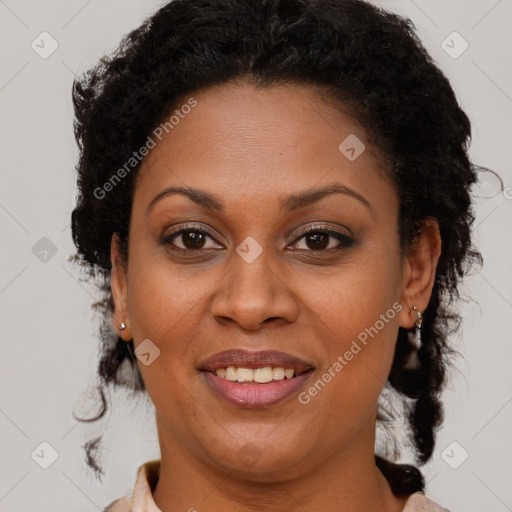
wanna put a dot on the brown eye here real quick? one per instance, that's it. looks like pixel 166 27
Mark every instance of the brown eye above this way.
pixel 193 239
pixel 190 240
pixel 317 241
pixel 323 240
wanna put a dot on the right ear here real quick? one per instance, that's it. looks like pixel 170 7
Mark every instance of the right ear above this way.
pixel 118 283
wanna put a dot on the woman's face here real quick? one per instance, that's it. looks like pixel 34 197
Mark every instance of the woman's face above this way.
pixel 266 166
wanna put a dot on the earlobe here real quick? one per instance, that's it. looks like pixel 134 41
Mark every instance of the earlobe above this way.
pixel 119 291
pixel 419 272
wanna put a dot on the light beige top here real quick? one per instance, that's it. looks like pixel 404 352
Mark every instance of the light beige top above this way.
pixel 147 476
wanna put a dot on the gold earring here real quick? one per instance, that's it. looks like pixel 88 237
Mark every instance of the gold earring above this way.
pixel 415 337
pixel 419 317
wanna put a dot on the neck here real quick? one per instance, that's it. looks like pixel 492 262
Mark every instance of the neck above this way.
pixel 348 479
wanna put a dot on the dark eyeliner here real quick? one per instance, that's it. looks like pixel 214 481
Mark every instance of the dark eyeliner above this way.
pixel 346 241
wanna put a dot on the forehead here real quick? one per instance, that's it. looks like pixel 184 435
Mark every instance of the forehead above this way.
pixel 260 143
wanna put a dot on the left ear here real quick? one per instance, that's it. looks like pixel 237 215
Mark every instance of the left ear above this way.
pixel 119 290
pixel 419 271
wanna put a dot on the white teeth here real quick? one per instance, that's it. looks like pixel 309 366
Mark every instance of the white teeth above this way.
pixel 230 373
pixel 263 374
pixel 244 374
pixel 260 375
pixel 278 373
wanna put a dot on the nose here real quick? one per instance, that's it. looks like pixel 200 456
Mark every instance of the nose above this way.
pixel 254 294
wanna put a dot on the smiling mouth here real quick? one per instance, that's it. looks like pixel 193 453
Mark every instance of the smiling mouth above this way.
pixel 257 387
pixel 255 379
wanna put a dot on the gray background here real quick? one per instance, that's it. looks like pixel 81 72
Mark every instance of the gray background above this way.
pixel 48 350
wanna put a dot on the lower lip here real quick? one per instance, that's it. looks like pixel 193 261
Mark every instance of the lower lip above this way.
pixel 252 394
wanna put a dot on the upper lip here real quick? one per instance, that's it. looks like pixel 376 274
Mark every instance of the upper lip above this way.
pixel 246 359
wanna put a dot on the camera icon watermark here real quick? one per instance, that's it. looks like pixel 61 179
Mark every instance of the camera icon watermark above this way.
pixel 249 454
pixel 146 352
pixel 454 45
pixel 44 250
pixel 249 249
pixel 44 45
pixel 454 455
pixel 44 455
pixel 351 147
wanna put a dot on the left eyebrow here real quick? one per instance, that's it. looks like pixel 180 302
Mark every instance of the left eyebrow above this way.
pixel 309 196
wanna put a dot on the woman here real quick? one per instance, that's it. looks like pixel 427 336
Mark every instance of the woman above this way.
pixel 276 194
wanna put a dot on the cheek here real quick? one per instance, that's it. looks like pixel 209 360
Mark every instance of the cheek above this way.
pixel 353 297
pixel 360 350
pixel 162 299
pixel 357 310
pixel 167 304
pixel 163 307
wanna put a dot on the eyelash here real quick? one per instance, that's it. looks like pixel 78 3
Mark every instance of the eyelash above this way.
pixel 344 239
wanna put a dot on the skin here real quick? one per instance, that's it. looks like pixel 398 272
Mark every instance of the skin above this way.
pixel 252 148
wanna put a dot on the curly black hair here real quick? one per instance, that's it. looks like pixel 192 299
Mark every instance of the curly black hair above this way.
pixel 370 60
